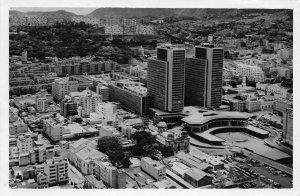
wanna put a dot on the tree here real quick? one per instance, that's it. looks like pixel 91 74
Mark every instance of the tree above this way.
pixel 126 162
pixel 144 143
pixel 250 83
pixel 166 151
pixel 118 158
pixel 108 143
pixel 143 138
pixel 233 84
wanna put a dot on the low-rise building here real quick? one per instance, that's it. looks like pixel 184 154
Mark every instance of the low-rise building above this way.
pixel 267 102
pixel 284 72
pixel 194 162
pixel 109 131
pixel 281 105
pixel 56 170
pixel 197 178
pixel 277 90
pixel 83 154
pixel 237 105
pixel 176 138
pixel 110 175
pixel 252 104
pixel 59 128
pixel 16 125
pixel 153 168
pixel 92 183
pixel 25 143
pixel 42 181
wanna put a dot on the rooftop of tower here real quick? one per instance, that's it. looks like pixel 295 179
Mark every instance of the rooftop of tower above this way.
pixel 171 46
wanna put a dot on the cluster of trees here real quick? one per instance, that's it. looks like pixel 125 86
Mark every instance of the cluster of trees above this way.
pixel 65 40
pixel 146 145
pixel 22 91
pixel 288 83
pixel 172 19
pixel 111 147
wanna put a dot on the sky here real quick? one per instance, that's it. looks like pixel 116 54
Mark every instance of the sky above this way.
pixel 78 11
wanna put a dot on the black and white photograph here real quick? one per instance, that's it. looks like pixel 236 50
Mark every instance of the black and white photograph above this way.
pixel 126 97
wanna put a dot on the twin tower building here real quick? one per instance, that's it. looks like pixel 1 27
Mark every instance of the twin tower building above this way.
pixel 176 81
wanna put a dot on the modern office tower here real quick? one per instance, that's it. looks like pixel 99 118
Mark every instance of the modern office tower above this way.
pixel 166 78
pixel 203 77
pixel 195 80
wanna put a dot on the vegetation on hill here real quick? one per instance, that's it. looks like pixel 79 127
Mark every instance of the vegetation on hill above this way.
pixel 70 39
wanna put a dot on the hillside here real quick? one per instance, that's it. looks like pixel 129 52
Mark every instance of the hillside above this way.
pixel 153 12
pixel 156 12
pixel 57 14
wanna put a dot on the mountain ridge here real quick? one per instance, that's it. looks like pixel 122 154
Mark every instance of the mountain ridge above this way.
pixel 110 12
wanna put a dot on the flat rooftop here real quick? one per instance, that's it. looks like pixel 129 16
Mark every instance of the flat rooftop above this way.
pixel 257 130
pixel 204 117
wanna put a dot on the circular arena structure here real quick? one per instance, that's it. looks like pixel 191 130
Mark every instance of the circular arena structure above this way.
pixel 215 129
pixel 210 137
pixel 204 125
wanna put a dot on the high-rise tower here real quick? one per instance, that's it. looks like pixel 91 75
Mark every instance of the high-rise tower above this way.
pixel 166 78
pixel 203 77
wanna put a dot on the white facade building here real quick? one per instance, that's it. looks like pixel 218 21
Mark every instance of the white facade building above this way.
pixel 56 171
pixel 62 87
pixel 153 168
pixel 24 143
pixel 110 175
pixel 87 100
pixel 41 104
pixel 252 72
pixel 277 90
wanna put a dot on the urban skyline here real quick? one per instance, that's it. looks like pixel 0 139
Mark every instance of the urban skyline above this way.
pixel 151 98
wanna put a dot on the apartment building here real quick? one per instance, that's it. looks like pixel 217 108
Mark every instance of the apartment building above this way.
pixel 62 87
pixel 56 170
pixel 24 143
pixel 41 104
pixel 110 175
pixel 103 91
pixel 252 72
pixel 132 95
pixel 87 102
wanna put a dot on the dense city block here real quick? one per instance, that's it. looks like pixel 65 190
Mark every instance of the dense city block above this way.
pixel 151 98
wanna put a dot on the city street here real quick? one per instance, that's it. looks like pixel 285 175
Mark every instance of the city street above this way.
pixel 75 176
pixel 274 164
